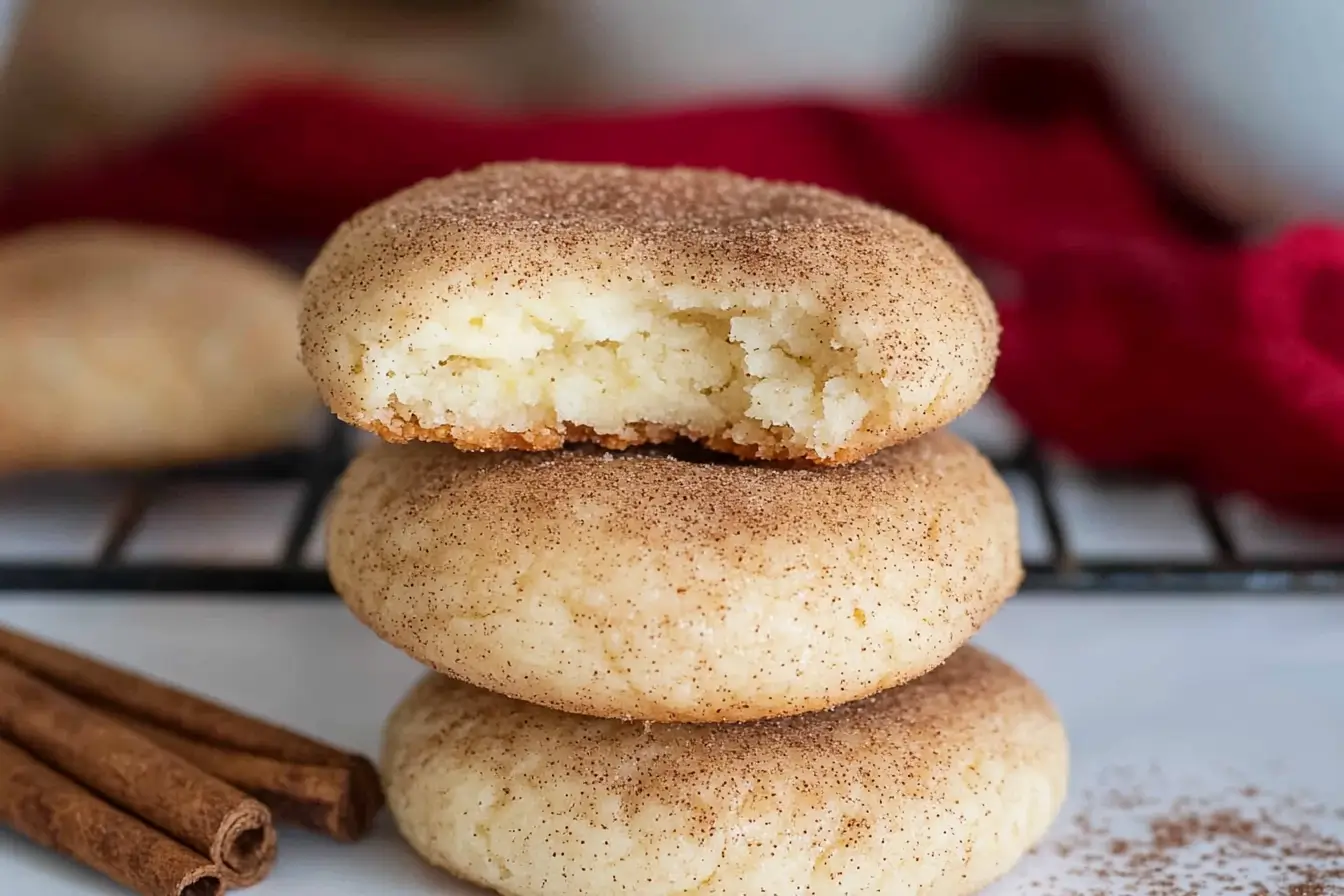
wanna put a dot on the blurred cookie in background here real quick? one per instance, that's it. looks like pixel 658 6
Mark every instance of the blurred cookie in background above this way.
pixel 132 347
pixel 84 77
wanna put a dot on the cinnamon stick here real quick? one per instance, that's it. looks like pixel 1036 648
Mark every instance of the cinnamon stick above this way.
pixel 211 817
pixel 316 797
pixel 198 720
pixel 55 812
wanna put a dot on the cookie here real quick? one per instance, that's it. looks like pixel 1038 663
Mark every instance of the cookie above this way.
pixel 937 787
pixel 641 585
pixel 528 305
pixel 126 347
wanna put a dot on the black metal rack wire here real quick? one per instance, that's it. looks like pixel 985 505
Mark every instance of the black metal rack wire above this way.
pixel 317 470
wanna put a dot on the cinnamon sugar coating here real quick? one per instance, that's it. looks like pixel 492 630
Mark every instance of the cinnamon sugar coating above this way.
pixel 640 585
pixel 532 304
pixel 936 787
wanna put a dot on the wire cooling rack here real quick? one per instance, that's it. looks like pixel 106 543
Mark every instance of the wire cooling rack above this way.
pixel 256 526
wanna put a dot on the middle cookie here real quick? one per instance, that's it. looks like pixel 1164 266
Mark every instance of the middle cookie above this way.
pixel 638 585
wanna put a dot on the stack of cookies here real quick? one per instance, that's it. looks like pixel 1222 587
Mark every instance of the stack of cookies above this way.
pixel 664 504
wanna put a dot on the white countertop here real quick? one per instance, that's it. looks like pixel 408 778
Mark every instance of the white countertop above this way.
pixel 1177 697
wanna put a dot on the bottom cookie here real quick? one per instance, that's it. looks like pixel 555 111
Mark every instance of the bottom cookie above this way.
pixel 936 787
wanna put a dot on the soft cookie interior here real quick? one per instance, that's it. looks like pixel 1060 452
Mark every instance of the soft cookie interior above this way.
pixel 770 372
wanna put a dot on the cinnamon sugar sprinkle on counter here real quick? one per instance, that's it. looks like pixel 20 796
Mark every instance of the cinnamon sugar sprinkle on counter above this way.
pixel 1240 840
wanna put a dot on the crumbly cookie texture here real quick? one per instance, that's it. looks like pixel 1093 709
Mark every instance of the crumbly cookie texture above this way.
pixel 527 305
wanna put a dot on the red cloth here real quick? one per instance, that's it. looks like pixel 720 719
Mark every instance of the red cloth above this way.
pixel 1140 334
